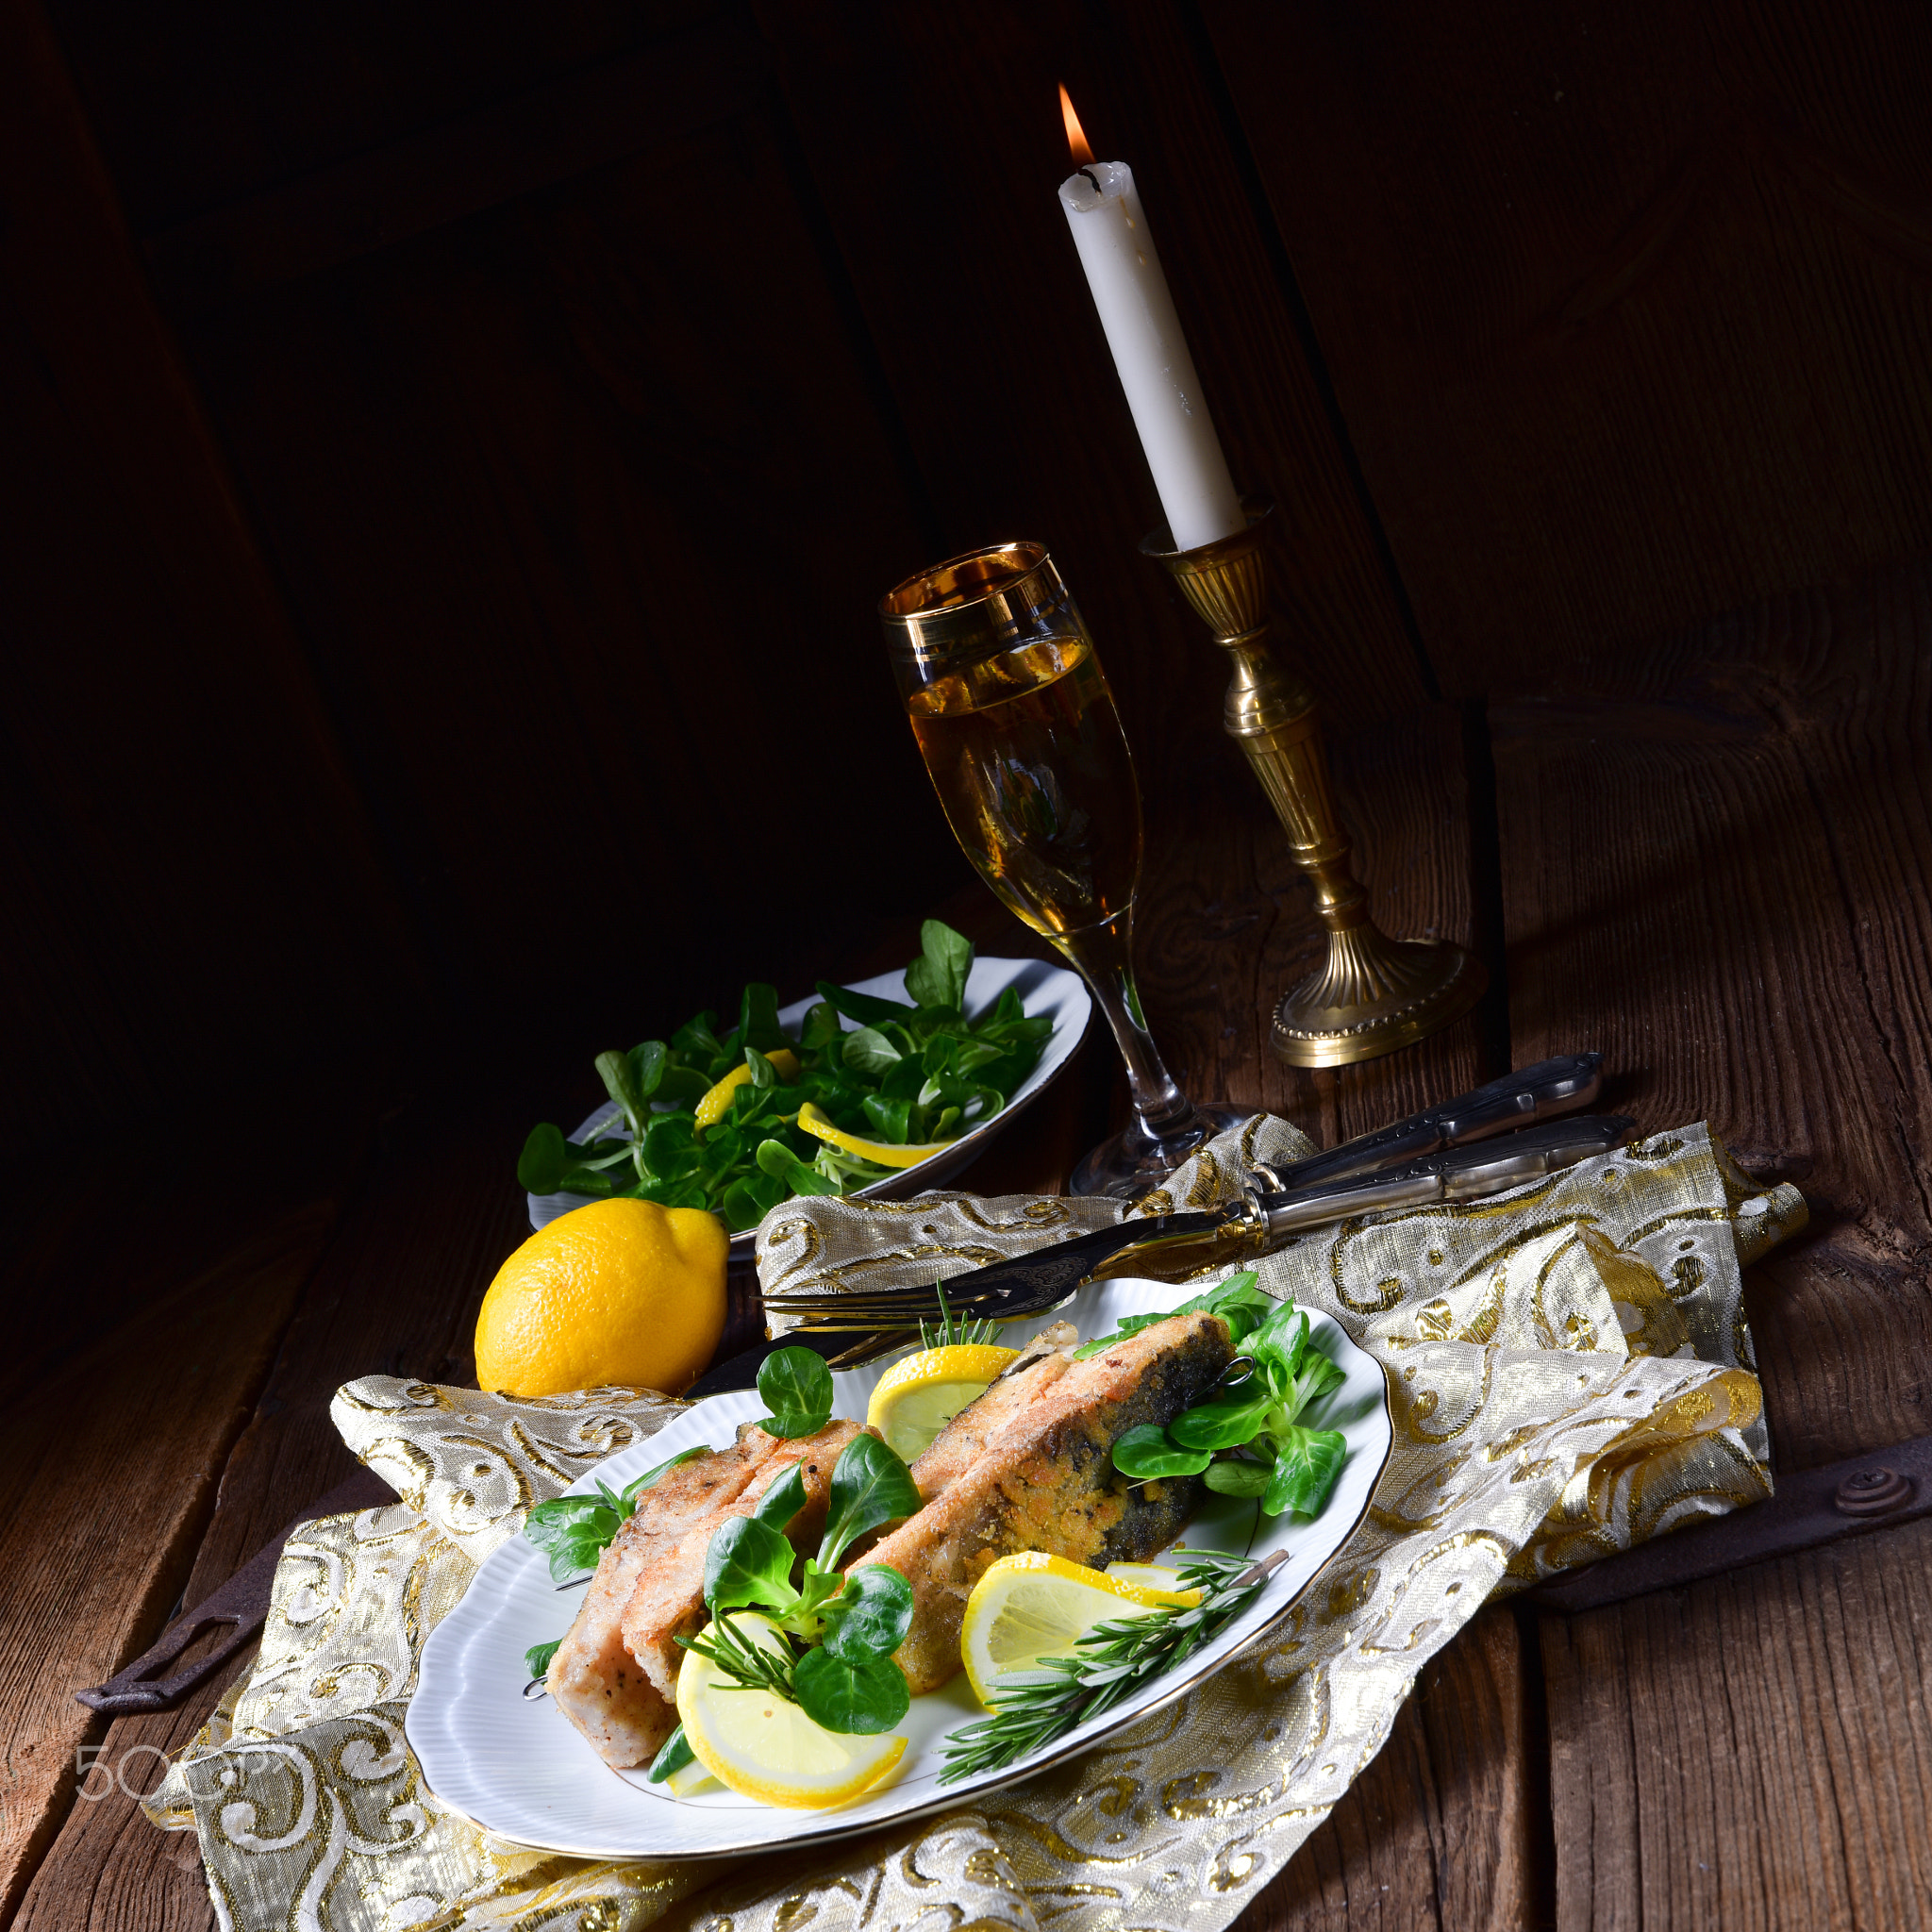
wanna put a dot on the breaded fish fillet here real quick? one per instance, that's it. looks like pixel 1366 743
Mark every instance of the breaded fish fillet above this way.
pixel 964 1440
pixel 592 1679
pixel 1046 1481
pixel 667 1599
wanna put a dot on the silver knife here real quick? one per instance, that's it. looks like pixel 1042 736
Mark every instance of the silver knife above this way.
pixel 1176 1245
pixel 1567 1084
pixel 1179 1245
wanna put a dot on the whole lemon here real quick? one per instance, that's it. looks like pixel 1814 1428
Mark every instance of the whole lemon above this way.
pixel 621 1291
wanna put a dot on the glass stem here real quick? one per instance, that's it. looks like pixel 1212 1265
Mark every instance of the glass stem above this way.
pixel 1102 956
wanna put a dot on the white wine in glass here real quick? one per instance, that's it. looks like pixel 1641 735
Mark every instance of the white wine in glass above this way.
pixel 1018 732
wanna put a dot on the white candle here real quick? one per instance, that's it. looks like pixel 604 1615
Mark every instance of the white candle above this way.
pixel 1156 370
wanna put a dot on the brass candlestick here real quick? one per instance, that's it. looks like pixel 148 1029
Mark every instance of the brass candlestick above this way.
pixel 1375 993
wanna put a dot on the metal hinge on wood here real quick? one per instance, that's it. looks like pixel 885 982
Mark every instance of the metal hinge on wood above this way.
pixel 242 1604
pixel 1810 1508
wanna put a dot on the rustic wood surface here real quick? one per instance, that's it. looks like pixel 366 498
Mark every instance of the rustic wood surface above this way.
pixel 445 570
pixel 1695 858
pixel 1718 853
pixel 1753 1752
pixel 446 455
pixel 1606 297
pixel 1721 852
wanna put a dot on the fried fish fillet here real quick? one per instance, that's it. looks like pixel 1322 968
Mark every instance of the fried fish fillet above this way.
pixel 1046 1481
pixel 964 1440
pixel 592 1679
pixel 667 1600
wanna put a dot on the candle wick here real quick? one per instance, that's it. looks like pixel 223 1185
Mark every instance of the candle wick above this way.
pixel 1094 178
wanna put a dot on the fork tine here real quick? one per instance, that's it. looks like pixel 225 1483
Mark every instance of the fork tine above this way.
pixel 851 1303
pixel 831 1316
pixel 852 1327
pixel 843 1318
pixel 888 1308
pixel 886 1302
pixel 874 1311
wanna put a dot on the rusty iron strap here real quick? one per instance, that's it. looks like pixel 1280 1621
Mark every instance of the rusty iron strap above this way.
pixel 242 1603
pixel 1810 1508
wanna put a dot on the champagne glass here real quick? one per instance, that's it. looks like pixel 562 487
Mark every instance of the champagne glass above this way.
pixel 1018 732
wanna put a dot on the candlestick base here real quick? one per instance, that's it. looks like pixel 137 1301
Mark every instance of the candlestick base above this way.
pixel 1374 994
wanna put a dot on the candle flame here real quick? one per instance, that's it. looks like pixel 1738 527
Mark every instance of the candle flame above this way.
pixel 1076 141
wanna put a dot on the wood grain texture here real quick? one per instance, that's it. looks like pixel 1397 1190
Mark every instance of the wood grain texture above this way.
pixel 83 1252
pixel 1754 1752
pixel 586 518
pixel 102 1530
pixel 1622 304
pixel 396 1294
pixel 218 104
pixel 1439 1831
pixel 108 1866
pixel 187 868
pixel 1716 865
pixel 934 140
pixel 1227 922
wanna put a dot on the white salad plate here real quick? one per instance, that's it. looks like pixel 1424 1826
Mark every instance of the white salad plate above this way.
pixel 1046 990
pixel 516 1767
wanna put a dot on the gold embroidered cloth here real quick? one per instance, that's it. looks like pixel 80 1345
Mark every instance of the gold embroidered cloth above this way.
pixel 1569 1372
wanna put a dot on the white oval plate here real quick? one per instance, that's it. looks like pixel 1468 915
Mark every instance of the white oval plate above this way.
pixel 1043 989
pixel 517 1767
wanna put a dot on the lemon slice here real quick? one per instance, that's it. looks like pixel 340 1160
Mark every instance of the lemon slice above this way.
pixel 710 1109
pixel 1153 1576
pixel 883 1151
pixel 1033 1606
pixel 689 1779
pixel 765 1748
pixel 917 1398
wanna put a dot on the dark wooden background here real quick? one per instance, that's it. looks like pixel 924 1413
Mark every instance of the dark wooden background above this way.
pixel 453 454
pixel 449 459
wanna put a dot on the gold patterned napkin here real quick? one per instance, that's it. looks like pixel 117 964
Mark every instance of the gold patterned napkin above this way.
pixel 1569 1370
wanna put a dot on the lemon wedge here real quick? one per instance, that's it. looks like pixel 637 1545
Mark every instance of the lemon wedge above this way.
pixel 1153 1577
pixel 1033 1606
pixel 917 1398
pixel 712 1107
pixel 767 1749
pixel 883 1151
pixel 689 1779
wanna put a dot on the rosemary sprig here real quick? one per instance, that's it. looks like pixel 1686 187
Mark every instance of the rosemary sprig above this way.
pixel 1033 1708
pixel 949 1331
pixel 749 1665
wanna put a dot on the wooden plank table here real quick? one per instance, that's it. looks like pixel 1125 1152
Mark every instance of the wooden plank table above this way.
pixel 1710 861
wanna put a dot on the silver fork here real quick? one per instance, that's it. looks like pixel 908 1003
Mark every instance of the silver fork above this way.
pixel 1172 1246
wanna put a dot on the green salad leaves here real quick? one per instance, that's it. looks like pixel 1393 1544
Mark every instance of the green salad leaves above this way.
pixel 909 1074
pixel 1245 1440
pixel 572 1531
pixel 796 1386
pixel 836 1661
